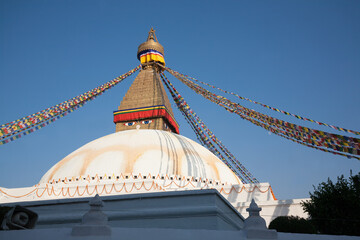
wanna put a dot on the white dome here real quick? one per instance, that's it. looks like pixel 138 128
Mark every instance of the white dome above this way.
pixel 145 152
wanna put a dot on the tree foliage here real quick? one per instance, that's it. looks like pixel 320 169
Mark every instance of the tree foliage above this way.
pixel 292 224
pixel 334 208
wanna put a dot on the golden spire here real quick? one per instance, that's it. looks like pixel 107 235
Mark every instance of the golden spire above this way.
pixel 146 104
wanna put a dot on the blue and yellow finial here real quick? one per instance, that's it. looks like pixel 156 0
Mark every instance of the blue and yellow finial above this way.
pixel 151 50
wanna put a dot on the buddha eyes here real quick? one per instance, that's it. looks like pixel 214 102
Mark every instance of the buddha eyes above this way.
pixel 129 124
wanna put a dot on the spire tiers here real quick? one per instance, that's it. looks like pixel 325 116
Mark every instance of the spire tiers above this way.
pixel 146 104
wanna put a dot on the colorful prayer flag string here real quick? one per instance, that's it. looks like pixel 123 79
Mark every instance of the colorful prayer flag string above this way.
pixel 269 107
pixel 39 126
pixel 332 138
pixel 14 130
pixel 306 136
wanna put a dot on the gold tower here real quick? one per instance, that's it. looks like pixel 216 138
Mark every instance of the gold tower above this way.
pixel 146 104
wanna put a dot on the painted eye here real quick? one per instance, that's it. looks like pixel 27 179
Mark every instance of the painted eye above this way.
pixel 146 122
pixel 129 124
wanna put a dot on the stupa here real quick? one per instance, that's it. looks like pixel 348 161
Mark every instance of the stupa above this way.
pixel 146 154
pixel 146 144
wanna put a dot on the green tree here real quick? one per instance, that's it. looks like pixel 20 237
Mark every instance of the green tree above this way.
pixel 292 224
pixel 334 208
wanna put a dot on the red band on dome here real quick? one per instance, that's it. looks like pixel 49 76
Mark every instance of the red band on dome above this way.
pixel 146 112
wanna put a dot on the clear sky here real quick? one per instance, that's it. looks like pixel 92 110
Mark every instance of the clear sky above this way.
pixel 299 56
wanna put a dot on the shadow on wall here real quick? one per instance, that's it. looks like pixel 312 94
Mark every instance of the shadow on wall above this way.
pixel 281 209
pixel 239 205
pixel 232 197
pixel 254 195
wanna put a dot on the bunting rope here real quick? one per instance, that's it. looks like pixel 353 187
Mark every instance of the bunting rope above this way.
pixel 26 125
pixel 274 120
pixel 205 135
pixel 253 113
pixel 306 136
pixel 38 126
pixel 269 107
pixel 344 140
pixel 279 132
pixel 343 149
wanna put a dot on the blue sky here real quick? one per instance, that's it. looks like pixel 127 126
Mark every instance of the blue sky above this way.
pixel 299 56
